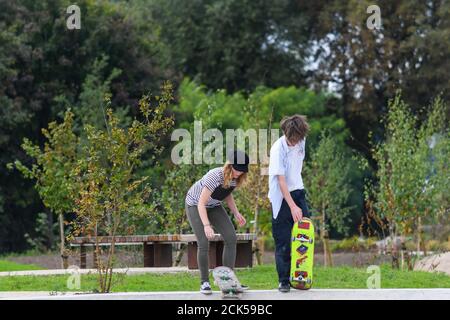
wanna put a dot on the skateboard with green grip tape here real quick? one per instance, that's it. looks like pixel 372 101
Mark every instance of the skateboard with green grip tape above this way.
pixel 226 280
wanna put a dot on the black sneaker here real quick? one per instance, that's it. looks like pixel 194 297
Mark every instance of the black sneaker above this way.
pixel 284 287
pixel 205 288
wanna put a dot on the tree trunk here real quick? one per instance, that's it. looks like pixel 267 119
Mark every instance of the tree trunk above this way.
pixel 402 260
pixel 419 235
pixel 256 244
pixel 402 252
pixel 64 257
pixel 50 236
pixel 257 248
pixel 394 249
pixel 180 254
pixel 328 261
pixel 329 256
pixel 99 260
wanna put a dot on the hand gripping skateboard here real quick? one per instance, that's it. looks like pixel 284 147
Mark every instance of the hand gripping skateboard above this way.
pixel 226 280
pixel 302 254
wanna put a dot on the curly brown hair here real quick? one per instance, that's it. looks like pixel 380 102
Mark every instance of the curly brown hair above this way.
pixel 295 127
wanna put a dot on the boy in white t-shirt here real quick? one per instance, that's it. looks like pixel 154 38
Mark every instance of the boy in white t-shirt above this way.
pixel 286 191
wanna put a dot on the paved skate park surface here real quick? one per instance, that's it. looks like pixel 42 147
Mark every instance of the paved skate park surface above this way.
pixel 313 294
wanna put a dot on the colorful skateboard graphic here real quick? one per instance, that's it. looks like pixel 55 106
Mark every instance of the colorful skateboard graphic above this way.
pixel 302 254
pixel 228 283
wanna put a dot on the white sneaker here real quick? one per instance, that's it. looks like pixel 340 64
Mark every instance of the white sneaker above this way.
pixel 205 288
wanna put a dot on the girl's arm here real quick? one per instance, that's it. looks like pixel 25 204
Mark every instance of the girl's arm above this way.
pixel 232 205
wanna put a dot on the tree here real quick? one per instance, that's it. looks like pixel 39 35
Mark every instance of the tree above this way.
pixel 412 179
pixel 45 68
pixel 110 188
pixel 327 177
pixel 169 215
pixel 222 110
pixel 366 67
pixel 234 45
pixel 263 109
pixel 52 171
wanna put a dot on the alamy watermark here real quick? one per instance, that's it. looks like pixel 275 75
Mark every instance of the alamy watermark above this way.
pixel 74 280
pixel 209 146
pixel 74 20
pixel 374 280
pixel 374 21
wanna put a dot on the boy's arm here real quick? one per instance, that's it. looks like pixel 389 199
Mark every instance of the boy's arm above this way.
pixel 295 210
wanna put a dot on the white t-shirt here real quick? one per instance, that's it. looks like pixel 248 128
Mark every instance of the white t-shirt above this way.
pixel 285 161
pixel 295 156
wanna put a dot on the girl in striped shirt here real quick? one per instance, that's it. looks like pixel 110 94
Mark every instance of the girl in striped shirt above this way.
pixel 205 210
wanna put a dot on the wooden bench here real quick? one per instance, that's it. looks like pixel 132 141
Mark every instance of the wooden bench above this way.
pixel 158 248
pixel 244 247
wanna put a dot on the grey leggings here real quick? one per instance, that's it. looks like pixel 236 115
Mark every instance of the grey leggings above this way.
pixel 221 222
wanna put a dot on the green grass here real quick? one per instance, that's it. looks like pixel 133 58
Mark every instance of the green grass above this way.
pixel 28 253
pixel 260 277
pixel 13 266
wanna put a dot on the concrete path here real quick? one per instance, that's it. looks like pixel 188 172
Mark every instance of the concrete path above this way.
pixel 128 271
pixel 313 294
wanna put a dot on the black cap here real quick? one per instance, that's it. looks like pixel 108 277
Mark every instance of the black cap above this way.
pixel 239 160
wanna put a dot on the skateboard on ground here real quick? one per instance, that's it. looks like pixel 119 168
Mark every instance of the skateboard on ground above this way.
pixel 302 254
pixel 226 280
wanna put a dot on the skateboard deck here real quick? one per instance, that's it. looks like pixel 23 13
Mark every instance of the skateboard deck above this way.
pixel 226 280
pixel 302 254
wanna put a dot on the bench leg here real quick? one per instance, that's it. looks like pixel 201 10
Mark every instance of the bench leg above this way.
pixel 215 255
pixel 157 255
pixel 163 255
pixel 244 256
pixel 149 259
pixel 192 255
pixel 82 257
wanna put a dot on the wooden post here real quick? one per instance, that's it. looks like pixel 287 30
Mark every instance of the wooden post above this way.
pixel 192 255
pixel 162 254
pixel 244 257
pixel 149 256
pixel 157 254
pixel 82 256
pixel 215 254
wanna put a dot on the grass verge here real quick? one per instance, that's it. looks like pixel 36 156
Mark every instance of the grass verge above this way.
pixel 259 277
pixel 6 265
